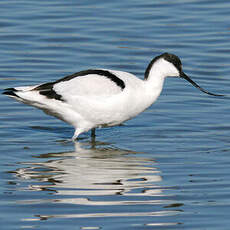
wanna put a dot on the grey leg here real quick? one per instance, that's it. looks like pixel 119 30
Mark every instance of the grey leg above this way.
pixel 93 133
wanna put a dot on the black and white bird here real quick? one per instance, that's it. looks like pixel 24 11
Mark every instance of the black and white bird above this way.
pixel 100 97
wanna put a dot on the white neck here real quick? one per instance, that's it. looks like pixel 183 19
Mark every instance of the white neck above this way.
pixel 154 82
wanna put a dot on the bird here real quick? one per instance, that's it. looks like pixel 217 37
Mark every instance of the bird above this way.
pixel 96 98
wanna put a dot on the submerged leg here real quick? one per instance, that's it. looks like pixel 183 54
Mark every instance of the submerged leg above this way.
pixel 93 133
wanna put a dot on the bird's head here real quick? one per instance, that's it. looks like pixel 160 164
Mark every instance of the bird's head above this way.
pixel 170 66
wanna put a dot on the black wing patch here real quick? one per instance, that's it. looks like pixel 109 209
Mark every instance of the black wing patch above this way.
pixel 48 91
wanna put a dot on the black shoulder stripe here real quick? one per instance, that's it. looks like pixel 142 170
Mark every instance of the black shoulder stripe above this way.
pixel 45 86
pixel 104 73
pixel 48 91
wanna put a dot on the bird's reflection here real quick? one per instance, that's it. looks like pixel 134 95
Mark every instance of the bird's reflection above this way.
pixel 94 170
pixel 98 181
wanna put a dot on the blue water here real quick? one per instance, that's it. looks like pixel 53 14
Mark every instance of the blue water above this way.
pixel 166 169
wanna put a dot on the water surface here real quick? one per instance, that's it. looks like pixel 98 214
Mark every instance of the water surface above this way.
pixel 166 169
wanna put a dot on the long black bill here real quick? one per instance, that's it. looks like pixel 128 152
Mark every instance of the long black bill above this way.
pixel 183 75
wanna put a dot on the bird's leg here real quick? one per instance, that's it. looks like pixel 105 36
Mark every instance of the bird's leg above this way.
pixel 78 131
pixel 93 133
pixel 74 137
pixel 76 134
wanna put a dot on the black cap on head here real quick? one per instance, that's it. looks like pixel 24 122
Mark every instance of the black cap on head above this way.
pixel 173 59
pixel 177 63
pixel 168 57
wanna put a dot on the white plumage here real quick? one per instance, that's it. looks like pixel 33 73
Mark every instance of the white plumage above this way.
pixel 99 97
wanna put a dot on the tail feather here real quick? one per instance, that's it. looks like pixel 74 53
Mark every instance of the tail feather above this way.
pixel 10 89
pixel 15 92
pixel 11 92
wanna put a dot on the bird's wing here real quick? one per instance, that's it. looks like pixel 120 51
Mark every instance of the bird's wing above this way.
pixel 84 83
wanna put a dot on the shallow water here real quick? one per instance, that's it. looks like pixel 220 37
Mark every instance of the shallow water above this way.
pixel 166 169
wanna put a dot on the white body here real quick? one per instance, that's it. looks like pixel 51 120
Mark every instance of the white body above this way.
pixel 92 100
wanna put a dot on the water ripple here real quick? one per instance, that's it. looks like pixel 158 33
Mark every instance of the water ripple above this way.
pixel 176 176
